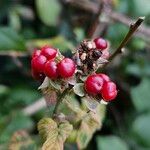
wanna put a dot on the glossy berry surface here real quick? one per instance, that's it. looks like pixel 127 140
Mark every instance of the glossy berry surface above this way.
pixel 37 76
pixel 93 84
pixel 48 52
pixel 104 77
pixel 36 53
pixel 50 69
pixel 66 68
pixel 100 43
pixel 38 63
pixel 109 91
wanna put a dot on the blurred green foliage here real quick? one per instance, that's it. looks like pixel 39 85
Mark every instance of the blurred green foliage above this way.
pixel 28 24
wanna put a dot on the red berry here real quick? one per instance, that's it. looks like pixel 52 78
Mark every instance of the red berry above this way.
pixel 104 76
pixel 38 63
pixel 48 52
pixel 66 68
pixel 50 69
pixel 105 54
pixel 93 84
pixel 38 76
pixel 109 91
pixel 100 43
pixel 36 53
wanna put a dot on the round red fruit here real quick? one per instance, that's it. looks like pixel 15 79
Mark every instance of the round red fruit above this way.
pixel 104 76
pixel 66 68
pixel 37 76
pixel 50 69
pixel 109 91
pixel 93 84
pixel 49 52
pixel 36 53
pixel 38 63
pixel 100 43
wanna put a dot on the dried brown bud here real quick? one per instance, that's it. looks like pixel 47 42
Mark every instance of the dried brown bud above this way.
pixel 83 56
pixel 96 54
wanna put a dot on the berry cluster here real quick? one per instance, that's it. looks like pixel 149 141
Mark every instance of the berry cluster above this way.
pixel 101 85
pixel 89 53
pixel 46 62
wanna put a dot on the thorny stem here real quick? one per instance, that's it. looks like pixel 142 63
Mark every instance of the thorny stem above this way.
pixel 133 28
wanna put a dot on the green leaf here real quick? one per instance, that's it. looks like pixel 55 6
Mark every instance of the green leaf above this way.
pixel 45 84
pixel 59 41
pixel 22 95
pixel 55 135
pixel 79 89
pixel 138 5
pixel 140 95
pixel 48 11
pixel 89 124
pixel 111 143
pixel 21 140
pixel 10 40
pixel 141 127
pixel 90 103
pixel 46 126
pixel 3 89
pixel 48 83
pixel 17 122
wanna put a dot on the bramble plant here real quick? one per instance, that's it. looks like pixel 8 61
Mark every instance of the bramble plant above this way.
pixel 75 90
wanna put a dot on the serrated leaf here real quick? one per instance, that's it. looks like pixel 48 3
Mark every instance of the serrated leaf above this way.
pixel 55 84
pixel 48 83
pixel 79 89
pixel 45 83
pixel 55 135
pixel 64 130
pixel 48 11
pixel 52 143
pixel 89 124
pixel 90 103
pixel 87 128
pixel 46 126
pixel 83 136
pixel 71 81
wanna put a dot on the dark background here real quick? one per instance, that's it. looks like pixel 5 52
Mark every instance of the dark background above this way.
pixel 28 24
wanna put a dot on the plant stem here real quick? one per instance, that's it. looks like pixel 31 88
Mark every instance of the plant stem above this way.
pixel 95 22
pixel 60 99
pixel 133 28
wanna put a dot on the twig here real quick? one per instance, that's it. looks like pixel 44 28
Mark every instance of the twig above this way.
pixel 35 107
pixel 59 101
pixel 13 54
pixel 143 31
pixel 95 22
pixel 83 4
pixel 133 28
